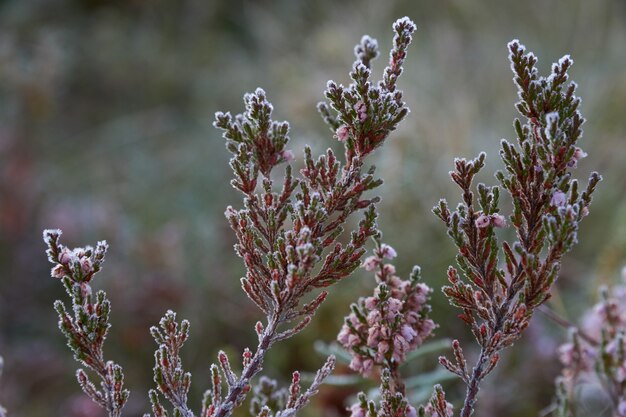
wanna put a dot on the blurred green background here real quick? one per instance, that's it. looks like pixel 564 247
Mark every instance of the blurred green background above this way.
pixel 105 132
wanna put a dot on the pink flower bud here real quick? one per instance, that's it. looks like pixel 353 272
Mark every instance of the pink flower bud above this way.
pixel 230 212
pixel 410 411
pixel 387 251
pixel 359 106
pixel 368 364
pixel 383 347
pixel 85 265
pixel 385 332
pixel 579 154
pixel 373 317
pixel 400 342
pixel 408 332
pixel 426 328
pixel 559 199
pixel 65 256
pixel 342 133
pixel 498 220
pixel 482 221
pixel 58 272
pixel 287 155
pixel 85 289
pixel 357 411
pixel 371 302
pixel 371 263
pixel 343 335
pixel 389 269
pixel 412 317
pixel 362 116
pixel 353 340
pixel 373 336
pixel 393 306
pixel 356 363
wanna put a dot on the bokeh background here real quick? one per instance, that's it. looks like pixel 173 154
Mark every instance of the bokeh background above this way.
pixel 105 132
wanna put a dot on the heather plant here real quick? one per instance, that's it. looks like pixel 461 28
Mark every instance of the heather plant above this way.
pixel 290 240
pixel 296 238
pixel 497 302
pixel 594 359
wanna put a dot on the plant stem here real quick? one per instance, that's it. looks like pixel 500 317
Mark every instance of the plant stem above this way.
pixel 235 392
pixel 472 387
pixel 398 383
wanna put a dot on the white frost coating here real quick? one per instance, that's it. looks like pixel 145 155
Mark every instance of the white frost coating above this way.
pixel 565 58
pixel 367 45
pixel 406 21
pixel 367 40
pixel 551 119
pixel 360 67
pixel 515 42
pixel 48 232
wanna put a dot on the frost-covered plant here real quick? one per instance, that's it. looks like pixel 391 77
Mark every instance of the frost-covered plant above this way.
pixel 594 359
pixel 497 303
pixel 290 240
pixel 393 403
pixel 87 325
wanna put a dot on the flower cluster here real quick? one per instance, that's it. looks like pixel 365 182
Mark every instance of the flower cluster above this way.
pixel 384 327
pixel 595 355
pixel 497 303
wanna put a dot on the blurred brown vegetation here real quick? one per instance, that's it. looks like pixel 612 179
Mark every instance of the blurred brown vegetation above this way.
pixel 105 132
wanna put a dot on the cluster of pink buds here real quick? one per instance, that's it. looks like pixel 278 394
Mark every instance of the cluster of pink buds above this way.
pixel 342 133
pixel 486 220
pixel 384 327
pixel 578 155
pixel 596 353
pixel 80 264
